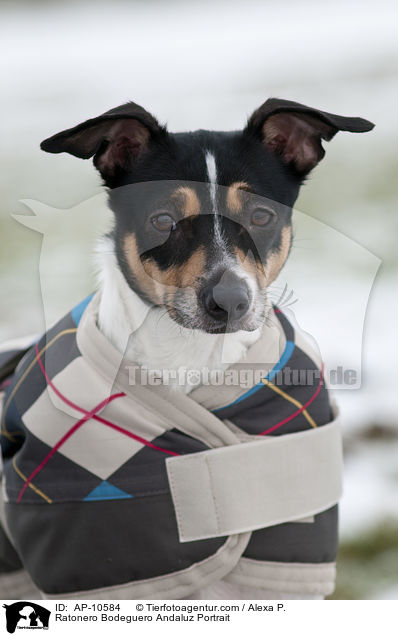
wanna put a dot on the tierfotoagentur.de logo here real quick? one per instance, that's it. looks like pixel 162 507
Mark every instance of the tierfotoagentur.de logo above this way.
pixel 26 615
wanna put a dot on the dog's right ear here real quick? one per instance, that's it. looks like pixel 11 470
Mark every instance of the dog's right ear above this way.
pixel 115 139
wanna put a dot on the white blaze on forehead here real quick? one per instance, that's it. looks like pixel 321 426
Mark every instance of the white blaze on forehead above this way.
pixel 212 176
pixel 230 262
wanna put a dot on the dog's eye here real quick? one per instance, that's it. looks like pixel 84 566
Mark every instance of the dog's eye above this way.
pixel 163 222
pixel 262 217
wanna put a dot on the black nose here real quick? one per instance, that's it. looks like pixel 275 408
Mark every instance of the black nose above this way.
pixel 228 300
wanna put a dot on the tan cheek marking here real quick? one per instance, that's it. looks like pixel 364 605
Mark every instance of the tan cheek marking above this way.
pixel 177 277
pixel 190 204
pixel 192 269
pixel 160 285
pixel 184 277
pixel 146 276
pixel 247 261
pixel 234 196
pixel 161 279
pixel 275 262
pixel 254 268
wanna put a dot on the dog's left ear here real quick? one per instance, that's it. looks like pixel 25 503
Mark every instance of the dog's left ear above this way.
pixel 294 132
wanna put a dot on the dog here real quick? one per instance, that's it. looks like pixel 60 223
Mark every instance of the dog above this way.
pixel 202 227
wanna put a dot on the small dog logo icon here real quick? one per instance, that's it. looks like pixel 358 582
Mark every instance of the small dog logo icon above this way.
pixel 26 615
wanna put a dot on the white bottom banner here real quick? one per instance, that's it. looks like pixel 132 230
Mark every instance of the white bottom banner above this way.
pixel 275 617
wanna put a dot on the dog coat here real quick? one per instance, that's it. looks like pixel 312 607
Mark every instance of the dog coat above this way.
pixel 120 489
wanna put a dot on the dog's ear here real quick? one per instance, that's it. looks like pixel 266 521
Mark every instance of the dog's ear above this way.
pixel 115 139
pixel 294 132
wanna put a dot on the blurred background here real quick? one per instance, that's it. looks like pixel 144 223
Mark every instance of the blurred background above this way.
pixel 209 64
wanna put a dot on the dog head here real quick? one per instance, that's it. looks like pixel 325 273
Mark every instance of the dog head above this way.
pixel 203 219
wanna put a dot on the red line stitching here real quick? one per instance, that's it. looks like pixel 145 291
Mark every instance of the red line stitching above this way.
pixel 63 439
pixel 300 410
pixel 87 415
pixel 138 438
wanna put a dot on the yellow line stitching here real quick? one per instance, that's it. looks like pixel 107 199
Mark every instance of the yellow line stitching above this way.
pixel 290 399
pixel 37 491
pixel 4 431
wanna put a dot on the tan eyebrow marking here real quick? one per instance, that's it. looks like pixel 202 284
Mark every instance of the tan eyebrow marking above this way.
pixel 188 200
pixel 234 196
